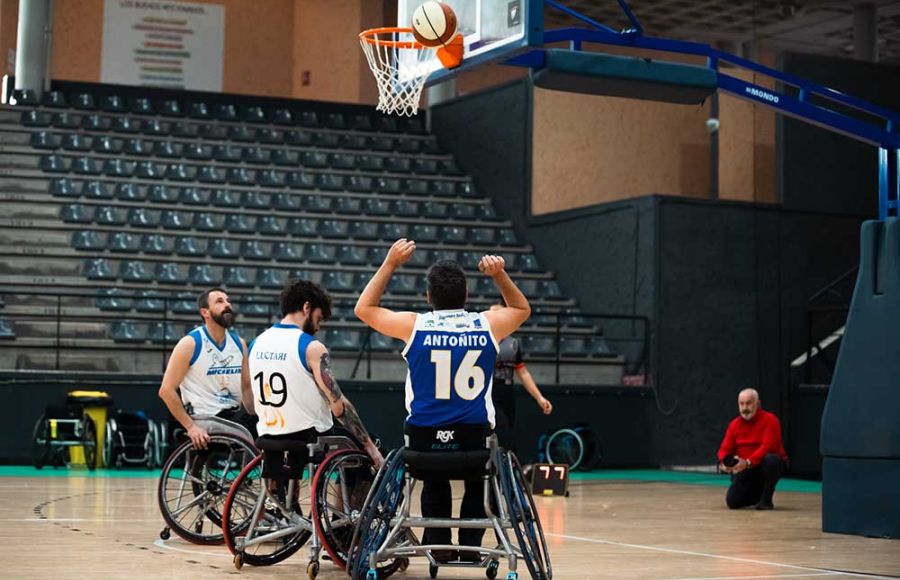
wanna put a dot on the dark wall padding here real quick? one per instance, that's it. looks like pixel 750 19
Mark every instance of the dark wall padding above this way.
pixel 861 421
pixel 625 76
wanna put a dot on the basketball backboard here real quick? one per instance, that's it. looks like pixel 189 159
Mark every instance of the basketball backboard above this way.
pixel 493 30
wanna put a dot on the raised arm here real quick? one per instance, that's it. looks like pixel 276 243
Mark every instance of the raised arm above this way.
pixel 504 321
pixel 394 324
pixel 178 366
pixel 320 362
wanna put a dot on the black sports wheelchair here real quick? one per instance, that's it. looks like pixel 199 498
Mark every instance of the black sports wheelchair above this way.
pixel 385 531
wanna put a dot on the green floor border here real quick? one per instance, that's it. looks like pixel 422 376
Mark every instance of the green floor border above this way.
pixel 641 475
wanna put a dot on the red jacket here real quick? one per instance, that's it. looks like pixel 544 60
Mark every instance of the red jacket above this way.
pixel 753 439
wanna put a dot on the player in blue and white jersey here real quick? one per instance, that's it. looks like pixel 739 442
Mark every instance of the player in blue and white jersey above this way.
pixel 209 365
pixel 450 353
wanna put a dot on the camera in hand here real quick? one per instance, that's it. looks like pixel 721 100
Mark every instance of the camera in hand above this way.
pixel 730 461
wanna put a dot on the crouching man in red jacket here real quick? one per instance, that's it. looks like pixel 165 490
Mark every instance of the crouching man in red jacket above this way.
pixel 753 454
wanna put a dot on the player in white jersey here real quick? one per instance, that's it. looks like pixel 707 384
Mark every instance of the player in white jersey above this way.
pixel 293 387
pixel 451 354
pixel 210 367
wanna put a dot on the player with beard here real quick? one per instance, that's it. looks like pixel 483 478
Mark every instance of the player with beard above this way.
pixel 209 365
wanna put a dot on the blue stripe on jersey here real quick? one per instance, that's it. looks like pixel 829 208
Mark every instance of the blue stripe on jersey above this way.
pixel 428 411
pixel 250 347
pixel 302 345
pixel 197 341
pixel 236 339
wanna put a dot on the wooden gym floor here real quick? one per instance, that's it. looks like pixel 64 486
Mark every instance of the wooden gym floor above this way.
pixel 615 525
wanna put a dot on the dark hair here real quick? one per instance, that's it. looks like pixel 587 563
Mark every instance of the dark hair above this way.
pixel 299 292
pixel 203 299
pixel 447 285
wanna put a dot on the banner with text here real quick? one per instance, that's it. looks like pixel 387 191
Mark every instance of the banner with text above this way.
pixel 175 45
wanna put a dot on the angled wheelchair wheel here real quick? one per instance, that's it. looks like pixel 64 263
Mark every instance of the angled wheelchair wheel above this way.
pixel 373 527
pixel 40 442
pixel 524 517
pixel 262 525
pixel 89 441
pixel 194 483
pixel 340 487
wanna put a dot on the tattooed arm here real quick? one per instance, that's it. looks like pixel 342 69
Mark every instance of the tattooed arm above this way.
pixel 320 362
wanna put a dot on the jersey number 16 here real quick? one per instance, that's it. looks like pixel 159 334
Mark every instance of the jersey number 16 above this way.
pixel 468 381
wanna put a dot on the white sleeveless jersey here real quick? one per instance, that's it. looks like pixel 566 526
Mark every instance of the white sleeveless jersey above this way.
pixel 213 381
pixel 285 394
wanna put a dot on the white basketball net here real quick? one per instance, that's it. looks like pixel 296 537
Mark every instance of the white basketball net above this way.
pixel 400 71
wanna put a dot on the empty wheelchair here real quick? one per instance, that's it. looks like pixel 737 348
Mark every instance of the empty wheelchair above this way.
pixel 131 439
pixel 296 493
pixel 384 532
pixel 63 427
pixel 194 483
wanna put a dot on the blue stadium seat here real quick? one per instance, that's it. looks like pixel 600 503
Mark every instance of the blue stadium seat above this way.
pixel 409 145
pixel 198 151
pixel 388 185
pixel 549 289
pixel 360 123
pixel 238 222
pixel 363 230
pixel 257 306
pixel 117 168
pixel 572 346
pixel 194 196
pixel 65 187
pixel 127 331
pixel 156 127
pixel 381 343
pixel 88 240
pixel 527 263
pixel 398 164
pixel 169 273
pixel 95 189
pixel 126 125
pixel 318 203
pixel 416 186
pixel 406 208
pixel 424 233
pixel 282 117
pixel 485 286
pixel 255 200
pixel 481 235
pixel 285 157
pixel 308 119
pixel 170 108
pixel 242 134
pixel 470 260
pixel 354 255
pixel 134 271
pixel 270 225
pixel 340 339
pixel 335 121
pixel 140 217
pixel 205 221
pixel 86 165
pixel 253 114
pixel 287 252
pixel 359 183
pixel 108 144
pixel 139 147
pixel 236 276
pixel 392 231
pixel 240 176
pixel 225 112
pixel 439 187
pixel 286 201
pixel 434 209
pixel 149 301
pixel 222 248
pixel 167 332
pixel 270 278
pixel 141 106
pixel 254 250
pixel 425 166
pixel 185 303
pixel 381 143
pixel 36 119
pixel 112 104
pixel 96 123
pixel 449 167
pixel 226 152
pixel 112 299
pixel 45 140
pixel 225 198
pixel 124 242
pixel 507 237
pixel 342 161
pixel 54 163
pixel 403 284
pixel 338 281
pixel 166 148
pixel 302 227
pixel 353 142
pixel 538 345
pixel 130 192
pixel 270 136
pixel 76 142
pixel 98 269
pixel 376 255
pixel 175 220
pixel 65 120
pixel 435 255
pixel 464 211
pixel 207 174
pixel 189 246
pixel 466 188
pixel 298 138
pixel 54 100
pixel 201 275
pixel 321 253
pixel 199 110
pixel 157 244
pixel 453 235
pixel 333 228
pixel 212 132
pixel 370 162
pixel 314 159
pixel 109 216
pixel 376 206
pixel 180 172
pixel 255 155
pixel 596 346
pixel 300 180
pixel 350 205
pixel 148 170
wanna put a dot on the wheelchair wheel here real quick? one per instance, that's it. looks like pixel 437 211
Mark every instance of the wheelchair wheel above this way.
pixel 89 441
pixel 40 443
pixel 374 523
pixel 253 512
pixel 524 517
pixel 340 487
pixel 565 446
pixel 194 483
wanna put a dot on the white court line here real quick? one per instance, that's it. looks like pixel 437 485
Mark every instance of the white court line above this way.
pixel 163 545
pixel 717 556
pixel 766 576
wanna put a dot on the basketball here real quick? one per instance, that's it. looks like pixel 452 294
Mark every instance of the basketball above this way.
pixel 434 24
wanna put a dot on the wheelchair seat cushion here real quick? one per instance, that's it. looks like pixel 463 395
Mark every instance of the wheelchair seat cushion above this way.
pixel 285 456
pixel 447 452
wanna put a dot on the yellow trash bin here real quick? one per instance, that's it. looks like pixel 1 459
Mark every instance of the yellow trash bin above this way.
pixel 95 405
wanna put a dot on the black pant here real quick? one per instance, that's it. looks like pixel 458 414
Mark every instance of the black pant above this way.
pixel 756 484
pixel 437 499
pixel 505 417
pixel 240 416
